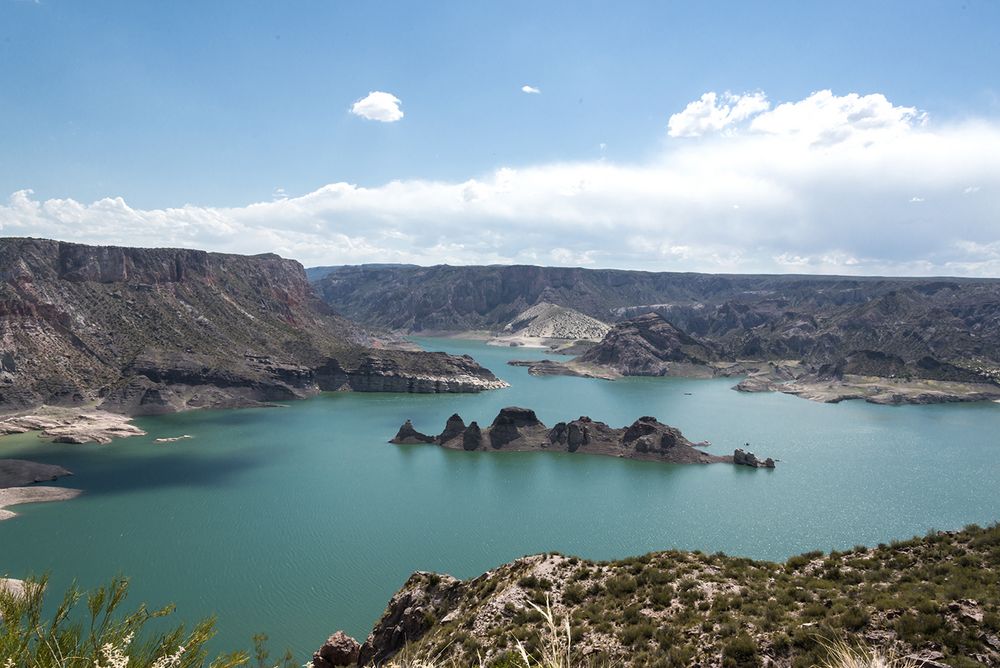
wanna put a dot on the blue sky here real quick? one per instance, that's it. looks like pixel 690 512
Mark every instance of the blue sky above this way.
pixel 220 104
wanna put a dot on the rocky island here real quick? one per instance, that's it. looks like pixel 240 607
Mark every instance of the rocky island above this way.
pixel 519 429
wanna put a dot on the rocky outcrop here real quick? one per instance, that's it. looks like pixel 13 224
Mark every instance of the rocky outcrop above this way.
pixel 472 437
pixel 650 346
pixel 622 613
pixel 147 331
pixel 519 429
pixel 744 458
pixel 339 649
pixel 455 426
pixel 425 599
pixel 407 435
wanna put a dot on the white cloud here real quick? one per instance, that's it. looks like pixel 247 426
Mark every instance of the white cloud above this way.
pixel 714 113
pixel 530 89
pixel 827 118
pixel 378 106
pixel 916 200
pixel 822 117
pixel 803 205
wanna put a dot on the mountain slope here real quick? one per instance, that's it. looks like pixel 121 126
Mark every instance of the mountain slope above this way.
pixel 156 330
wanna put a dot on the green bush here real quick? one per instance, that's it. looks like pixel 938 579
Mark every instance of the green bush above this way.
pixel 105 638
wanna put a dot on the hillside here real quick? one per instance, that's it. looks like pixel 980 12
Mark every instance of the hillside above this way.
pixel 549 321
pixel 936 599
pixel 157 330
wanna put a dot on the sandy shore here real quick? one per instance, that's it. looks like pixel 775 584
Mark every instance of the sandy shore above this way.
pixel 12 496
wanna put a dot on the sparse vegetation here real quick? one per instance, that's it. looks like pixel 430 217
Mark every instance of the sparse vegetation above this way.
pixel 939 594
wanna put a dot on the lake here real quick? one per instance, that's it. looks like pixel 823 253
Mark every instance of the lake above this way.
pixel 302 520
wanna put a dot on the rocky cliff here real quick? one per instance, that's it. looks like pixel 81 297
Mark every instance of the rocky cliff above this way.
pixel 934 600
pixel 157 330
pixel 519 429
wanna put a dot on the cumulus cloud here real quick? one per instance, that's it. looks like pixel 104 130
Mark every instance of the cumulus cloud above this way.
pixel 715 113
pixel 530 89
pixel 378 106
pixel 791 195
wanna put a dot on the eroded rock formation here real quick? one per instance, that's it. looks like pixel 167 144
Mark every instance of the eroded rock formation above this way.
pixel 519 429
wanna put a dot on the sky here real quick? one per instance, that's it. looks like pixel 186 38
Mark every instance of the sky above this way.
pixel 785 137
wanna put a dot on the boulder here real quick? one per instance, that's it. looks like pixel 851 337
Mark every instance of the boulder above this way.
pixel 339 649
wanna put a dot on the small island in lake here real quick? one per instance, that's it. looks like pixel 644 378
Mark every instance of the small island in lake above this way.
pixel 519 429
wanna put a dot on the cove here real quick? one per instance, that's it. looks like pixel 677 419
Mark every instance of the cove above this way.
pixel 301 520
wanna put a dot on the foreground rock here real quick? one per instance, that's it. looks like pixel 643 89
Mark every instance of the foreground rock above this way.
pixel 710 610
pixel 13 496
pixel 62 425
pixel 518 429
pixel 149 331
pixel 339 649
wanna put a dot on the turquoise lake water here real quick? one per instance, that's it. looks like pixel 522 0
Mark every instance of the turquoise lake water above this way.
pixel 302 520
